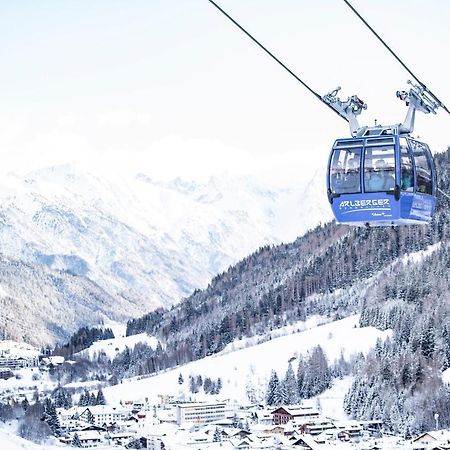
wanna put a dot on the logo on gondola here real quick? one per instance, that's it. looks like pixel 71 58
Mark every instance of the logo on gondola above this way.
pixel 375 203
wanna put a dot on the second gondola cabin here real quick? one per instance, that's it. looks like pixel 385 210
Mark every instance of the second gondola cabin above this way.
pixel 381 178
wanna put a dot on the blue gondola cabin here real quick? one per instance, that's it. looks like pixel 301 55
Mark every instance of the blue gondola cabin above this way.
pixel 381 178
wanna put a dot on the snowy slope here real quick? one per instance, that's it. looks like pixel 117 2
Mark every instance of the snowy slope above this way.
pixel 138 243
pixel 111 347
pixel 17 350
pixel 254 364
pixel 9 441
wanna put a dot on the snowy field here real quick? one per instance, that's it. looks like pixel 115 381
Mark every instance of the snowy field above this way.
pixel 9 441
pixel 111 347
pixel 253 365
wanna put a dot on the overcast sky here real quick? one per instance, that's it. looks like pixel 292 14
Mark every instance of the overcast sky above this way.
pixel 168 80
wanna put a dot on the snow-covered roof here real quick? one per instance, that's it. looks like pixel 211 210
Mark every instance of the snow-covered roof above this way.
pixel 89 435
pixel 106 409
pixel 200 404
pixel 71 411
pixel 122 434
pixel 161 429
pixel 309 441
pixel 348 424
pixel 54 360
pixel 439 435
pixel 298 410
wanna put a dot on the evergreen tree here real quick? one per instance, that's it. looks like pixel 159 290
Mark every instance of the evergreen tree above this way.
pixel 180 379
pixel 272 388
pixel 25 404
pixel 76 441
pixel 217 435
pixel 207 385
pixel 51 418
pixel 280 395
pixel 301 385
pixel 84 399
pixel 290 385
pixel 100 399
pixel 427 340
pixel 193 385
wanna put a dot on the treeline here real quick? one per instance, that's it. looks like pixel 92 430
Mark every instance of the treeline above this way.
pixel 83 339
pixel 314 376
pixel 400 382
pixel 274 286
pixel 210 386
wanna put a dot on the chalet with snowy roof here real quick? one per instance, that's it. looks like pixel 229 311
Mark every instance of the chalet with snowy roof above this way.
pixel 122 438
pixel 284 414
pixel 88 439
pixel 103 415
pixel 306 442
pixel 241 434
pixel 263 416
pixel 348 429
pixel 431 439
pixel 53 361
pixel 316 426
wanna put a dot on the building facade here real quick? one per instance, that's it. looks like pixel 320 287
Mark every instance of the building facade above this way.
pixel 200 412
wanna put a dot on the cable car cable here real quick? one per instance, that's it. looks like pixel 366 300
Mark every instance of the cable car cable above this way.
pixel 276 59
pixel 395 56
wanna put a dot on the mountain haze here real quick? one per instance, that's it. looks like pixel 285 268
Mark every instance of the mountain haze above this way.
pixel 80 246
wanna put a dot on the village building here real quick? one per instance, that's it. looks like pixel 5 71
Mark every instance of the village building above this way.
pixel 18 362
pixel 200 412
pixel 103 415
pixel 300 413
pixel 6 374
pixel 431 439
pixel 88 439
pixel 53 361
pixel 263 416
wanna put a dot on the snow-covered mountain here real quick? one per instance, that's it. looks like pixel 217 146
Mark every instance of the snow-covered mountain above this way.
pixel 80 245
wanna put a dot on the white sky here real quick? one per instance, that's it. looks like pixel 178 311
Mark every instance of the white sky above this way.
pixel 128 80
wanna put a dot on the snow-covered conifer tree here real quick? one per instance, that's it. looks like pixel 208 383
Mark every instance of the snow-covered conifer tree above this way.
pixel 271 388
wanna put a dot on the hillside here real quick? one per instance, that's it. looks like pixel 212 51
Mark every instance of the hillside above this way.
pixel 396 278
pixel 248 368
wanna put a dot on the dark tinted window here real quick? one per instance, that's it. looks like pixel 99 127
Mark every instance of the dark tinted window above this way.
pixel 379 169
pixel 423 167
pixel 406 167
pixel 345 171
